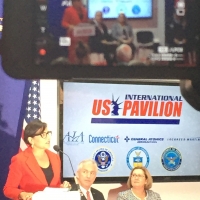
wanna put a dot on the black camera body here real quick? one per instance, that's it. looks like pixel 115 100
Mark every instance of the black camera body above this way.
pixel 30 49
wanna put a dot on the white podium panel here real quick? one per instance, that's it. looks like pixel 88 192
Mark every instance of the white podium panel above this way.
pixel 56 193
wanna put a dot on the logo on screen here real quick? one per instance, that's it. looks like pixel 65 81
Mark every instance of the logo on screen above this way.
pixel 171 159
pixel 136 157
pixel 103 139
pixel 144 140
pixel 73 138
pixel 104 159
pixel 106 10
pixel 115 106
pixel 136 9
pixel 138 109
pixel 192 139
pixel 126 138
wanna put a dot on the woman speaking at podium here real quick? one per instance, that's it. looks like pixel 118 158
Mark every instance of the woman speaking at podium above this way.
pixel 34 168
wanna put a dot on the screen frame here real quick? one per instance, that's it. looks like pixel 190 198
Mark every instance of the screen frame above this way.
pixel 123 179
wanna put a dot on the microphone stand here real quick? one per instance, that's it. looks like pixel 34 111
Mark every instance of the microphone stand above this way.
pixel 57 148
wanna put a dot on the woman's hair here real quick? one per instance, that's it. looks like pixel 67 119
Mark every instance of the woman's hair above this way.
pixel 148 177
pixel 125 18
pixel 33 127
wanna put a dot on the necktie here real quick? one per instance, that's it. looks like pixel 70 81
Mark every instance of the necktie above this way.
pixel 88 195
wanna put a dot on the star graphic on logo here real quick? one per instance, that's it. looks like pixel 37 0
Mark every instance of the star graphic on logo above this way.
pixel 127 139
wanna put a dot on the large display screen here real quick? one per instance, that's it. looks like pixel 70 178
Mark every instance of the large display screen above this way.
pixel 112 8
pixel 121 126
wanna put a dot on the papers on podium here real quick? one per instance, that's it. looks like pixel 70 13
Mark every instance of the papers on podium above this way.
pixel 56 193
pixel 84 29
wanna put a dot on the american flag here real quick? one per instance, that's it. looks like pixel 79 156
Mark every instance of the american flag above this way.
pixel 32 108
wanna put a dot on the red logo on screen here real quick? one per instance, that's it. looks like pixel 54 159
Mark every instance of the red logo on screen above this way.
pixel 139 105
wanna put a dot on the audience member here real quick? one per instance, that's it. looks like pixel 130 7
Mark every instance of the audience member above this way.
pixel 139 184
pixel 123 54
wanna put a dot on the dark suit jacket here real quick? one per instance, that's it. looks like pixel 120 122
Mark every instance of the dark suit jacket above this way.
pixel 95 41
pixel 97 195
pixel 26 175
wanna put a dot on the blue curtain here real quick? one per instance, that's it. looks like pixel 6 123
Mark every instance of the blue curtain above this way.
pixel 13 99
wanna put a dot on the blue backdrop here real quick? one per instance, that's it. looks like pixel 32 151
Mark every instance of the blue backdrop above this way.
pixel 55 13
pixel 13 98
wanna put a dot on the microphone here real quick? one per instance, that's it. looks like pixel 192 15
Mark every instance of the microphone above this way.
pixel 58 149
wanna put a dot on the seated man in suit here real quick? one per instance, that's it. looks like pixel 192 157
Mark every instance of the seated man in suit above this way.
pixel 86 175
pixel 102 41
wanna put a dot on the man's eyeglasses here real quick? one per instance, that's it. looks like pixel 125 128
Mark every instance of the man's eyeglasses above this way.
pixel 138 176
pixel 44 134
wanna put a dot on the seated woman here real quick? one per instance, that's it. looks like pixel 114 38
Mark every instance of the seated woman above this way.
pixel 34 168
pixel 102 41
pixel 139 184
pixel 122 32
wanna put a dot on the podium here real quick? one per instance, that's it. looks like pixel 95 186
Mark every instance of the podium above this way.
pixel 56 194
pixel 83 30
